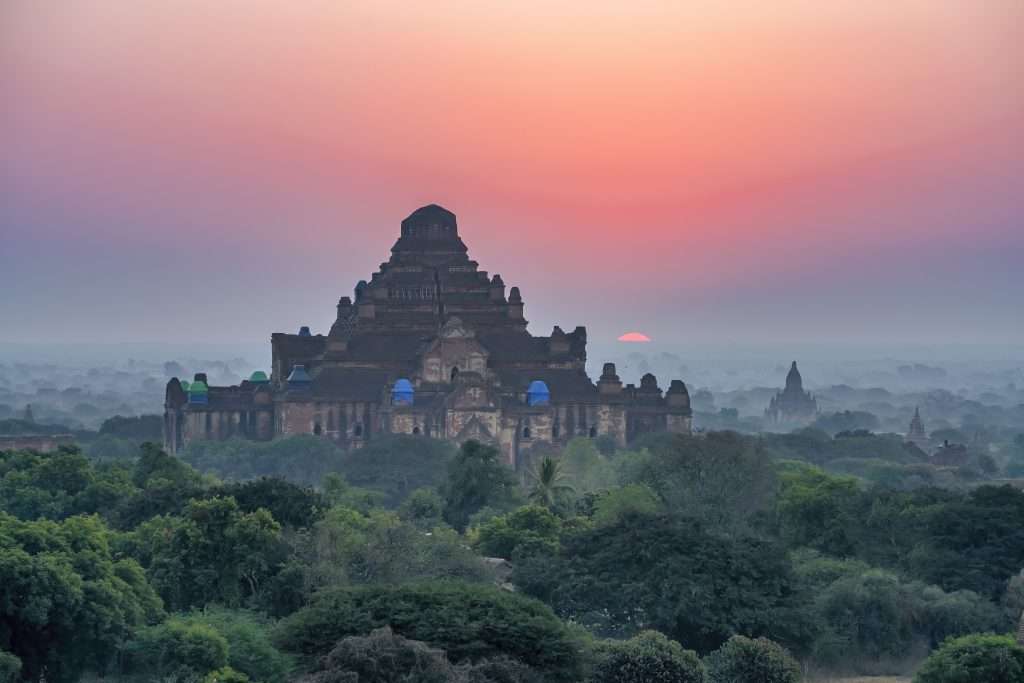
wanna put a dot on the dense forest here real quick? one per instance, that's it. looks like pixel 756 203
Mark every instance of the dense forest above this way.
pixel 718 557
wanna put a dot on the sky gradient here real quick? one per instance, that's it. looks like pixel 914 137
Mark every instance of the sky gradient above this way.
pixel 698 172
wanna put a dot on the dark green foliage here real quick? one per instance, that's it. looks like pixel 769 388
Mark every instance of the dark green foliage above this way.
pixel 349 547
pixel 304 459
pixel 247 634
pixel 213 553
pixel 10 668
pixel 289 503
pixel 533 529
pixel 477 478
pixel 382 657
pixel 656 572
pixel 873 616
pixel 164 484
pixel 397 465
pixel 746 660
pixel 975 659
pixel 56 484
pixel 648 657
pixel 721 478
pixel 424 509
pixel 176 649
pixel 65 603
pixel 469 621
pixel 976 542
pixel 140 428
pixel 817 510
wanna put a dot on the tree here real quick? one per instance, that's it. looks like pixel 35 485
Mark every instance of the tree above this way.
pixel 549 488
pixel 214 552
pixel 397 465
pixel 648 657
pixel 382 657
pixel 468 621
pixel 290 504
pixel 817 510
pixel 250 650
pixel 65 603
pixel 975 658
pixel 477 478
pixel 532 527
pixel 746 660
pixel 424 509
pixel 671 575
pixel 139 428
pixel 10 668
pixel 349 547
pixel 178 649
pixel 722 478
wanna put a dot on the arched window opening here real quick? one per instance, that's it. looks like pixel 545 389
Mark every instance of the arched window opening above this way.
pixel 593 432
pixel 415 430
pixel 455 373
pixel 317 429
pixel 358 431
pixel 526 432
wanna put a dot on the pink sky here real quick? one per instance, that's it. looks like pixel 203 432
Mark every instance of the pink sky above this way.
pixel 703 170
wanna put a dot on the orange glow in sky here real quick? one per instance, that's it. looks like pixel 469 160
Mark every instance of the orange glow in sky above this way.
pixel 739 155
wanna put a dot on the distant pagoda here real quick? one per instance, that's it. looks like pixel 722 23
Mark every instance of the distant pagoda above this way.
pixel 917 435
pixel 792 404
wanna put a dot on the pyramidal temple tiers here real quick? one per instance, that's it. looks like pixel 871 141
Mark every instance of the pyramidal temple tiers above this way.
pixel 429 345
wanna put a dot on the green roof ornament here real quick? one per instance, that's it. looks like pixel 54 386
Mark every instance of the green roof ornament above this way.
pixel 184 384
pixel 198 387
pixel 259 377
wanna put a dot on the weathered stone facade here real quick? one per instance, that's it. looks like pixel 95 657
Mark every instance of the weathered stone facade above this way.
pixel 431 317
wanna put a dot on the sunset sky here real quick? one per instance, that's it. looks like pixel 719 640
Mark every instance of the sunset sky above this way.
pixel 704 171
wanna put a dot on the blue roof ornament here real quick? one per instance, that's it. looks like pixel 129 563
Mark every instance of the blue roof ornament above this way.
pixel 299 378
pixel 304 331
pixel 402 393
pixel 538 393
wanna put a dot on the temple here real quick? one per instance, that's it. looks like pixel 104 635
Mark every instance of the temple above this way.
pixel 917 435
pixel 429 345
pixel 792 404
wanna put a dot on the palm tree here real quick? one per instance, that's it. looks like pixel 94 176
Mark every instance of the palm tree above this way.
pixel 548 487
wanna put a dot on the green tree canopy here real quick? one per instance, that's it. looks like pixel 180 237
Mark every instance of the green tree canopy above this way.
pixel 477 478
pixel 66 604
pixel 468 621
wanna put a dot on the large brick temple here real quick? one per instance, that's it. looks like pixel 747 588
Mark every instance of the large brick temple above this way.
pixel 430 345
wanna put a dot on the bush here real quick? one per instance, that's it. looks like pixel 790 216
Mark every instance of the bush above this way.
pixel 250 651
pixel 648 657
pixel 975 658
pixel 746 660
pixel 382 657
pixel 469 621
pixel 10 668
pixel 178 649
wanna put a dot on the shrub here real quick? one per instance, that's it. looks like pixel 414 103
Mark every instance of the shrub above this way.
pixel 974 658
pixel 382 657
pixel 648 657
pixel 469 621
pixel 10 668
pixel 177 648
pixel 746 660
